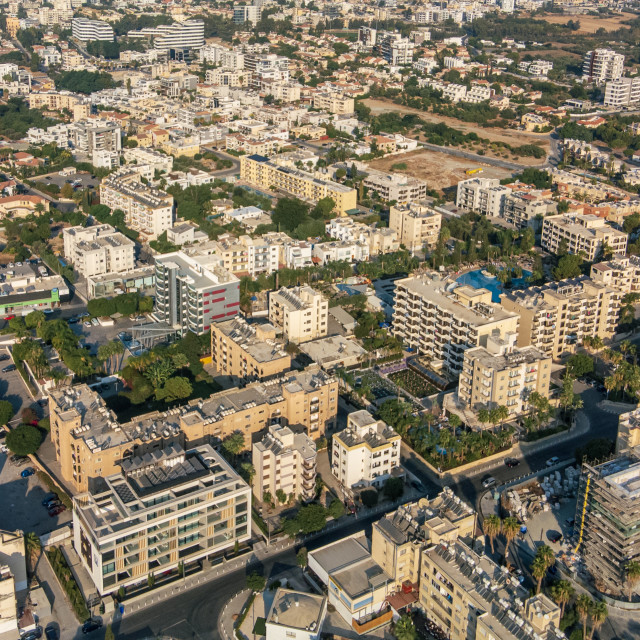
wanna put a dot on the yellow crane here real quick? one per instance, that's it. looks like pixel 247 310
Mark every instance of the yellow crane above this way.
pixel 584 511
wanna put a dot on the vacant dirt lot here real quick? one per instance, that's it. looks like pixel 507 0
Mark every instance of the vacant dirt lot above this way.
pixel 439 170
pixel 590 24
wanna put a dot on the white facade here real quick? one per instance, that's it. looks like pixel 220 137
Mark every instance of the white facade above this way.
pixel 90 30
pixel 301 312
pixel 622 92
pixel 181 36
pixel 601 65
pixel 340 251
pixel 482 195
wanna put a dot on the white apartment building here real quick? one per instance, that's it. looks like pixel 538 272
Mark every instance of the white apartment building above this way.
pixel 171 507
pixel 416 225
pixel 148 161
pixel 247 13
pixel 340 251
pixel 527 208
pixel 601 65
pixel 297 255
pixel 98 250
pixel 300 312
pixel 181 38
pixel 147 210
pixel 89 30
pixel 622 92
pixel 622 273
pixel 482 195
pixel 379 241
pixel 395 186
pixel 443 324
pixel 284 461
pixel 396 50
pixel 582 233
pixel 366 453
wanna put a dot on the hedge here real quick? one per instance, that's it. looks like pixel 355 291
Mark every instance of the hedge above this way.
pixel 65 576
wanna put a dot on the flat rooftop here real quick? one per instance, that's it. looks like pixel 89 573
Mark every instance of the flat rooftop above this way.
pixel 197 273
pixel 245 335
pixel 360 577
pixel 297 610
pixel 342 553
pixel 327 351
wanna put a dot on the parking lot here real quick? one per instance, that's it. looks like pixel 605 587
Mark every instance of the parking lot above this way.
pixel 21 501
pixel 86 180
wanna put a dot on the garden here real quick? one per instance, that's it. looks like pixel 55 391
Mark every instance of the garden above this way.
pixel 63 572
pixel 370 385
pixel 413 383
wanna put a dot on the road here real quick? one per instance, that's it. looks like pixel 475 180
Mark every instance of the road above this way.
pixel 65 207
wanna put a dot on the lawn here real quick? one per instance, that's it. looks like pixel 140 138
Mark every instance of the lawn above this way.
pixel 412 382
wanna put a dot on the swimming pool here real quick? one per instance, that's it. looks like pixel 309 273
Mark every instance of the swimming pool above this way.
pixel 477 280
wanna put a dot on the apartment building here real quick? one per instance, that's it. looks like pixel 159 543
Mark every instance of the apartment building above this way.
pixel 443 324
pixel 98 250
pixel 608 519
pixel 247 351
pixel 501 374
pixel 556 317
pixel 180 40
pixel 247 13
pixel 482 195
pixel 266 173
pixel 340 251
pixel 469 596
pixel 416 225
pixel 148 161
pixel 395 186
pixel 527 208
pixel 87 30
pixel 301 312
pixel 587 234
pixel 333 103
pixel 622 273
pixel 147 210
pixel 601 65
pixel 295 614
pixel 90 137
pixel 366 453
pixel 285 463
pixel 245 255
pixel 90 443
pixel 395 49
pixel 622 92
pixel 191 293
pixel 167 508
pixel 379 240
pixel 54 100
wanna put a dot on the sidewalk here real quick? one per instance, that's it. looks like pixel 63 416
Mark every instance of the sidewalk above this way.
pixel 232 608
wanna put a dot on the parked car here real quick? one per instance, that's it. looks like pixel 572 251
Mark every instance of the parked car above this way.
pixel 50 497
pixel 552 461
pixel 512 462
pixel 94 322
pixel 11 367
pixel 4 448
pixel 488 482
pixel 4 357
pixel 554 536
pixel 86 323
pixel 91 625
pixel 51 632
pixel 56 511
pixel 54 504
pixel 32 635
pixel 29 471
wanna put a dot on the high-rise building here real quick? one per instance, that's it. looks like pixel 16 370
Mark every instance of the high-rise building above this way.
pixel 301 312
pixel 395 49
pixel 601 65
pixel 482 195
pixel 557 316
pixel 169 508
pixel 246 13
pixel 622 92
pixel 191 294
pixel 181 39
pixel 443 324
pixel 87 30
pixel 367 36
pixel 417 225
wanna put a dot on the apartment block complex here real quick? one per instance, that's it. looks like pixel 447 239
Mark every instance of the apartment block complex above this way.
pixel 443 324
pixel 555 317
pixel 379 240
pixel 300 312
pixel 601 65
pixel 87 30
pixel 285 462
pixel 98 250
pixel 366 453
pixel 622 92
pixel 90 443
pixel 526 208
pixel 416 225
pixel 482 195
pixel 247 351
pixel 147 210
pixel 588 234
pixel 622 273
pixel 165 508
pixel 333 103
pixel 608 519
pixel 266 173
pixel 395 186
pixel 192 294
pixel 502 374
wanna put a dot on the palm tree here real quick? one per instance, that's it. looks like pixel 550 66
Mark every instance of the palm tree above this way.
pixel 562 592
pixel 599 613
pixel 538 571
pixel 632 575
pixel 510 528
pixel 583 608
pixel 404 629
pixel 483 415
pixel 492 526
pixel 548 556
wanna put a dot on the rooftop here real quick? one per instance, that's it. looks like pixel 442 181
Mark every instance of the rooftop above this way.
pixel 251 338
pixel 195 271
pixel 332 350
pixel 297 610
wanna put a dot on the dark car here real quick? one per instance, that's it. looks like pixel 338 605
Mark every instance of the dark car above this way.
pixel 91 625
pixel 56 511
pixel 54 504
pixel 51 633
pixel 50 497
pixel 32 635
pixel 555 536
pixel 11 367
pixel 4 357
pixel 512 462
pixel 29 471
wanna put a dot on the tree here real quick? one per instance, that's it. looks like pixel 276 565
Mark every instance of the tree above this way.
pixel 282 496
pixel 233 444
pixel 599 613
pixel 28 416
pixel 569 400
pixel 302 557
pixel 247 471
pixel 67 191
pixel 545 558
pixel 256 582
pixel 6 412
pixel 174 389
pixel 394 488
pixel 492 526
pixel 158 372
pixel 33 545
pixel 100 307
pixel 562 592
pixel 24 440
pixel 323 209
pixel 510 529
pixel 404 629
pixel 568 267
pixel 583 609
pixel 369 498
pixel 579 364
pixel 632 576
pixel 34 319
pixel 290 213
pixel 538 571
pixel 336 509
pixel 312 518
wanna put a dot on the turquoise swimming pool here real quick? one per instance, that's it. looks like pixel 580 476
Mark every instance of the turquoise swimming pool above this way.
pixel 477 280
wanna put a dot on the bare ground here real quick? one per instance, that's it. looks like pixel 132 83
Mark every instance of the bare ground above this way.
pixel 590 24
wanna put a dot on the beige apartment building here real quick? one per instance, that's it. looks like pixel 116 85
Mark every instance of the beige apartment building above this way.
pixel 395 186
pixel 147 210
pixel 266 173
pixel 442 324
pixel 416 225
pixel 500 374
pixel 247 351
pixel 284 461
pixel 333 103
pixel 622 273
pixel 53 100
pixel 90 442
pixel 301 312
pixel 98 250
pixel 161 510
pixel 588 234
pixel 556 317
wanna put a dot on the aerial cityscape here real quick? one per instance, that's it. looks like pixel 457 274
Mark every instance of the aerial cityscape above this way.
pixel 320 320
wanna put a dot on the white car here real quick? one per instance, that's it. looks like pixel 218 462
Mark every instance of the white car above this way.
pixel 86 323
pixel 488 482
pixel 94 322
pixel 552 461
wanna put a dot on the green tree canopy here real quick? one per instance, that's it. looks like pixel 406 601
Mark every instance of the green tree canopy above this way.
pixel 24 440
pixel 6 412
pixel 177 388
